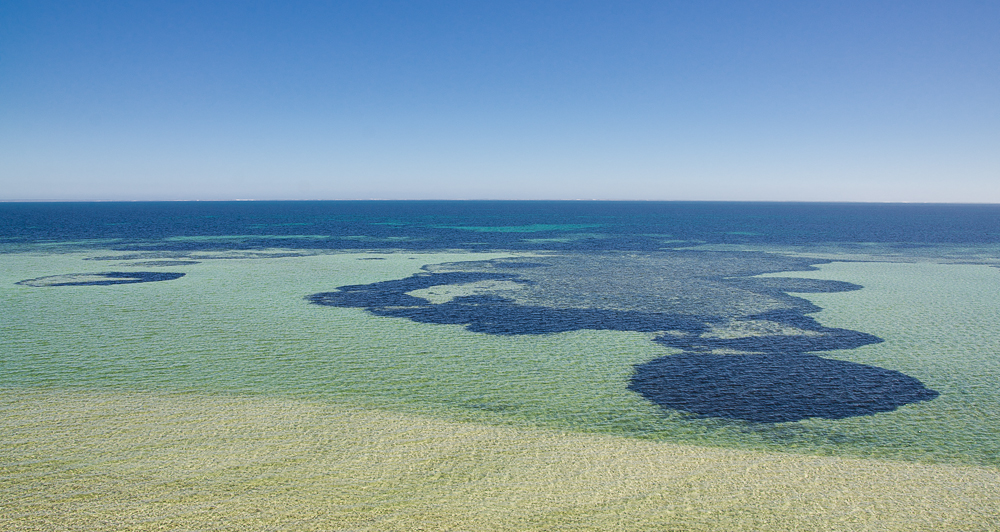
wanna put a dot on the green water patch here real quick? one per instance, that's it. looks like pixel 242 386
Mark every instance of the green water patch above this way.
pixel 940 324
pixel 100 279
pixel 244 325
pixel 164 263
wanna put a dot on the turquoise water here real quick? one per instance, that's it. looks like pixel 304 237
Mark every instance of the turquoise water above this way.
pixel 239 325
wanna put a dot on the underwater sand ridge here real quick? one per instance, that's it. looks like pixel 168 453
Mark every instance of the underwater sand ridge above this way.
pixel 110 461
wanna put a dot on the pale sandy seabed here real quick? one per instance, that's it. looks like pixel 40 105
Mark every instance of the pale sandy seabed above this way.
pixel 114 461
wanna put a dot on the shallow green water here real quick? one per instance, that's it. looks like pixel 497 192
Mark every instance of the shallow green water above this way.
pixel 242 326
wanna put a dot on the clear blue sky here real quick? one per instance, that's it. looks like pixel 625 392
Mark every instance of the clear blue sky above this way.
pixel 695 100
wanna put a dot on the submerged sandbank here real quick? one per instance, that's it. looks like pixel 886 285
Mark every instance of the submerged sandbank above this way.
pixel 140 461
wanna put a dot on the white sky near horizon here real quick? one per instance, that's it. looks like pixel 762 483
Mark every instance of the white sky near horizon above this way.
pixel 778 101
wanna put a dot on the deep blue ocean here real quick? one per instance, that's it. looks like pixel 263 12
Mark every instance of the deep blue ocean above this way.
pixel 478 225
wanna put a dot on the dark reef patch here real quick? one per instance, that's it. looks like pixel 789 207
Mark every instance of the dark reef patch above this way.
pixel 808 336
pixel 496 315
pixel 774 388
pixel 101 278
pixel 746 342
